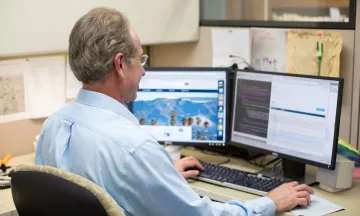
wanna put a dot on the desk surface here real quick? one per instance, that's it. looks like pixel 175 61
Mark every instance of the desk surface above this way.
pixel 348 199
pixel 7 206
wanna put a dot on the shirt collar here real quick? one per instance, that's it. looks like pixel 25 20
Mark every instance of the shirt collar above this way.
pixel 99 100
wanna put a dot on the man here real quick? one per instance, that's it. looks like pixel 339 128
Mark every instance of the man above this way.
pixel 185 121
pixel 206 126
pixel 153 122
pixel 191 121
pixel 98 138
pixel 142 121
pixel 198 121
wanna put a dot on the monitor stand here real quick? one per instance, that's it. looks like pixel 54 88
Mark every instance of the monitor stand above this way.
pixel 291 170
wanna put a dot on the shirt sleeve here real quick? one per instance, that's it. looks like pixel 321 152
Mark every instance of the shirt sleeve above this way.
pixel 39 160
pixel 165 192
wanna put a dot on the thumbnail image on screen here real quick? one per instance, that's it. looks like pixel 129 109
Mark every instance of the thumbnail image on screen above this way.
pixel 201 114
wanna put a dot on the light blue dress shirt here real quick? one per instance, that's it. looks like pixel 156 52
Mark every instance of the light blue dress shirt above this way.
pixel 98 138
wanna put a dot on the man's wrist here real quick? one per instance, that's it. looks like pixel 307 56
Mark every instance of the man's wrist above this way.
pixel 263 206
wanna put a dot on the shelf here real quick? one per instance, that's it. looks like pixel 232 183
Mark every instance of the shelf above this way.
pixel 309 3
pixel 308 14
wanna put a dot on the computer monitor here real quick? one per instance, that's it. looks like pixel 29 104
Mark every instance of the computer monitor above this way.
pixel 294 117
pixel 184 106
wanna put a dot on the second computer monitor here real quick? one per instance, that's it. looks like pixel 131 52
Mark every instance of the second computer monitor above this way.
pixel 184 106
pixel 292 116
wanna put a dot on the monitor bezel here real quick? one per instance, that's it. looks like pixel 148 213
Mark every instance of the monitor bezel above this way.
pixel 227 101
pixel 330 166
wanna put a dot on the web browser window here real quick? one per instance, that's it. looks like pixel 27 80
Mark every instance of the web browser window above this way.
pixel 178 106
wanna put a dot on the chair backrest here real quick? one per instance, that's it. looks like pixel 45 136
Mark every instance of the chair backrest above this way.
pixel 44 190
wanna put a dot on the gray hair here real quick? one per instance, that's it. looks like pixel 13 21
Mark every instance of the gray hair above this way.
pixel 95 40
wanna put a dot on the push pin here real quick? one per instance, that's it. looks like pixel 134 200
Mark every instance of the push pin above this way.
pixel 319 55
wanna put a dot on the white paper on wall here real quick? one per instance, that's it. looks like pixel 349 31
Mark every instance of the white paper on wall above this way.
pixel 229 46
pixel 45 85
pixel 72 84
pixel 269 49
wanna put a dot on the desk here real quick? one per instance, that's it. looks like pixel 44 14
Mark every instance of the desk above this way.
pixel 346 199
pixel 6 201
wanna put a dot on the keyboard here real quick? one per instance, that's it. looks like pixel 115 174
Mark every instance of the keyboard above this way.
pixel 237 179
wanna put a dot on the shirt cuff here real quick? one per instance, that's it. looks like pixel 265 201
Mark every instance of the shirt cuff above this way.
pixel 263 206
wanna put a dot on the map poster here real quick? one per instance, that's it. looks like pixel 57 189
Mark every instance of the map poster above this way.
pixel 12 90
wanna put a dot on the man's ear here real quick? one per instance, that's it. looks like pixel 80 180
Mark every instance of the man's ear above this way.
pixel 119 60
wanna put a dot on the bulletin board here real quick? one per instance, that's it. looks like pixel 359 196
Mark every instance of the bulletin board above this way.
pixel 302 51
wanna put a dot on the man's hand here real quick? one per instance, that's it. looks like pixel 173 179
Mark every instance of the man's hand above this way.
pixel 290 195
pixel 188 166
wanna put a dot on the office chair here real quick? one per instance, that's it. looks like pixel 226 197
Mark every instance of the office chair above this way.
pixel 44 190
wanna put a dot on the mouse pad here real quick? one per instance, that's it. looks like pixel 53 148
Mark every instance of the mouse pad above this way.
pixel 318 207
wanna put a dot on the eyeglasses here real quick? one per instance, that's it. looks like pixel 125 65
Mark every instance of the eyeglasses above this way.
pixel 143 59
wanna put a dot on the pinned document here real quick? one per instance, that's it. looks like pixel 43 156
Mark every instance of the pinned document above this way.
pixel 269 47
pixel 72 84
pixel 229 46
pixel 45 85
pixel 302 54
pixel 12 90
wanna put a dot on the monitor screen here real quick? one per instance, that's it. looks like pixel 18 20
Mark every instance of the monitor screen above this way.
pixel 295 117
pixel 185 106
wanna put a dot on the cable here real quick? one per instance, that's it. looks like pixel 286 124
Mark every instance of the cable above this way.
pixel 217 154
pixel 254 162
pixel 277 174
pixel 225 162
pixel 243 61
pixel 261 164
pixel 228 155
pixel 272 161
pixel 211 152
pixel 272 169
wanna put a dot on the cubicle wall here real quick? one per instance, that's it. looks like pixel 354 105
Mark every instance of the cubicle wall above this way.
pixel 44 26
pixel 41 28
pixel 176 50
pixel 200 54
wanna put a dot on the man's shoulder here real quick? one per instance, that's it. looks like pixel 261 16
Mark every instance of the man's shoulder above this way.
pixel 100 123
pixel 55 118
pixel 123 132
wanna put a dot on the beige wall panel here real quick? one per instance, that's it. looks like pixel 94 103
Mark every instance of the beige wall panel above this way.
pixel 356 83
pixel 183 54
pixel 17 137
pixel 347 72
pixel 42 26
